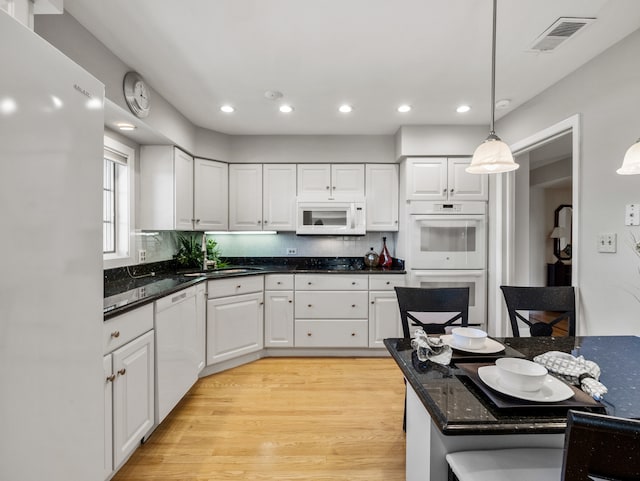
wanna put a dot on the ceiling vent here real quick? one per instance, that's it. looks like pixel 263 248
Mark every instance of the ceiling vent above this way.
pixel 562 30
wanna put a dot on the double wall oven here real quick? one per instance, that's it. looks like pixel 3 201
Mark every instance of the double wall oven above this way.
pixel 448 248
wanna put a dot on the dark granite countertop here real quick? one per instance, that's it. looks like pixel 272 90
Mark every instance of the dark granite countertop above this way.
pixel 126 289
pixel 458 407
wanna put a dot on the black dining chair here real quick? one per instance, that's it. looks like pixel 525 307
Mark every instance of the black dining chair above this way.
pixel 596 447
pixel 414 300
pixel 560 299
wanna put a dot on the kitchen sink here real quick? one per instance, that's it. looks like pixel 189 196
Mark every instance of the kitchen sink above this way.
pixel 222 272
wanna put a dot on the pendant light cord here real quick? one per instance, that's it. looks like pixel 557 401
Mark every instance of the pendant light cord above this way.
pixel 493 69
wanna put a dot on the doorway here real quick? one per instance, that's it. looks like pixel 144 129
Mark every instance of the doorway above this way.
pixel 543 203
pixel 510 231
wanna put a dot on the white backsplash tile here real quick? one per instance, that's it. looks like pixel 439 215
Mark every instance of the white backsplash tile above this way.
pixel 161 246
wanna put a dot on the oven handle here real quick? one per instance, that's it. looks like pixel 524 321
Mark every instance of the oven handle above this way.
pixel 463 217
pixel 448 273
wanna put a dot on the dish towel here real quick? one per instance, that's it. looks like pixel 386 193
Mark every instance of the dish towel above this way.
pixel 431 348
pixel 574 370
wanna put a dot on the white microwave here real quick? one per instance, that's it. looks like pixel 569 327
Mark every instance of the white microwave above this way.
pixel 331 218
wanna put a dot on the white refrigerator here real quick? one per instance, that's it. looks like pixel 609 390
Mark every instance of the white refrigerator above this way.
pixel 51 377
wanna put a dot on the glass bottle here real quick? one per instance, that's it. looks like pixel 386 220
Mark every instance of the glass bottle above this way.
pixel 385 258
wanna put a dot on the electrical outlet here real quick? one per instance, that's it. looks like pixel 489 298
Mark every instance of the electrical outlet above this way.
pixel 607 243
pixel 292 251
pixel 142 256
pixel 632 214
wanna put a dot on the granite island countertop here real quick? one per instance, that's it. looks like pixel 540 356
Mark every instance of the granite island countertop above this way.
pixel 457 407
pixel 124 291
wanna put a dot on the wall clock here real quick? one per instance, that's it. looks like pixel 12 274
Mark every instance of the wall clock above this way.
pixel 136 93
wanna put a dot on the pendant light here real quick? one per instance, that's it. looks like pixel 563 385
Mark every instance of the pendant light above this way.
pixel 631 162
pixel 492 156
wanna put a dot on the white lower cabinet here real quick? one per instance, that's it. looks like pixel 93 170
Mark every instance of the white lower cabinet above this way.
pixel 129 393
pixel 235 324
pixel 384 314
pixel 108 416
pixel 331 311
pixel 278 310
pixel 201 325
pixel 133 395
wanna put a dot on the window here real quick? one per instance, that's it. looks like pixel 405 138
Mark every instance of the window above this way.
pixel 117 208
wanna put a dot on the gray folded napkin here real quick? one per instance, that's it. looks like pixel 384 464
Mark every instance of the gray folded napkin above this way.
pixel 574 370
pixel 431 348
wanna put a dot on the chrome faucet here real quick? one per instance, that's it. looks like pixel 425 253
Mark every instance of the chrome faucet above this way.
pixel 206 263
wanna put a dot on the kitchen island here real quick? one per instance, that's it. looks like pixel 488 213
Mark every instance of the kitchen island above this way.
pixel 446 412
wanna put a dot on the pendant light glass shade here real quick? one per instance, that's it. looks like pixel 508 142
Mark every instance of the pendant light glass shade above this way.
pixel 631 162
pixel 492 156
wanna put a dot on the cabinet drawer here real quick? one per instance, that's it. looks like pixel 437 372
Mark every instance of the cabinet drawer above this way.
pixel 331 305
pixel 235 285
pixel 384 282
pixel 119 330
pixel 334 282
pixel 331 333
pixel 278 282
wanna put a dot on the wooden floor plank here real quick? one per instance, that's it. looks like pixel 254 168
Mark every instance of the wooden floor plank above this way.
pixel 285 419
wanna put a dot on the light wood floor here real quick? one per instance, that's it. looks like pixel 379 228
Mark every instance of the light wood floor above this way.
pixel 312 419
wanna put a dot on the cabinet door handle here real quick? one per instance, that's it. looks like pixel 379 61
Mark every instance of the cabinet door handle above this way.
pixel 309 305
pixel 388 282
pixel 334 187
pixel 122 371
pixel 261 303
pixel 115 334
pixel 238 286
pixel 395 221
pixel 309 334
pixel 264 222
pixel 290 301
pixel 111 378
pixel 353 283
pixel 278 282
pixel 197 221
pixel 444 191
pixel 309 283
pixel 259 222
pixel 327 187
pixel 353 334
pixel 451 191
pixel 373 302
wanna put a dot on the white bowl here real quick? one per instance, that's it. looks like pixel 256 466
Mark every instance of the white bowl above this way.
pixel 469 337
pixel 520 374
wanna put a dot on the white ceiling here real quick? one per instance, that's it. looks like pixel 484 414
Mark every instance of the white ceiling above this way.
pixel 373 54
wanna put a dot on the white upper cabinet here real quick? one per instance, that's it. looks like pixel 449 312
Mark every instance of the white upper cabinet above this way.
pixel 328 181
pixel 463 185
pixel 211 195
pixel 183 185
pixel 180 193
pixel 438 179
pixel 279 197
pixel 382 197
pixel 245 197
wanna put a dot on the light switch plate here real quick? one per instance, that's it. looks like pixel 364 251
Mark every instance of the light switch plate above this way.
pixel 632 214
pixel 607 242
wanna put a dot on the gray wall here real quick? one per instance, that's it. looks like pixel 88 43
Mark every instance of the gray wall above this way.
pixel 606 94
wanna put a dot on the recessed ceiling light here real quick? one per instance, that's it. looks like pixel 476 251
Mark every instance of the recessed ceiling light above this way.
pixel 463 109
pixel 404 108
pixel 345 109
pixel 125 126
pixel 227 109
pixel 8 106
pixel 503 103
pixel 286 109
